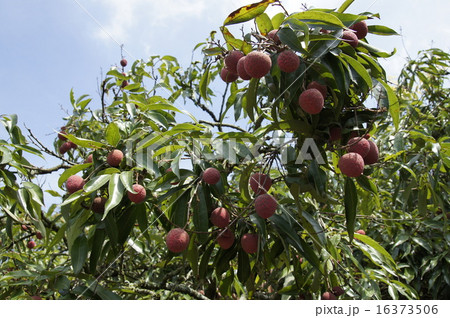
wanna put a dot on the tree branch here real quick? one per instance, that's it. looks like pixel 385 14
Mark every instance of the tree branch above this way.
pixel 218 124
pixel 46 170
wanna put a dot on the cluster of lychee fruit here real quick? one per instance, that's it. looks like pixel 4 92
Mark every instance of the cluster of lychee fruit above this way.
pixel 31 243
pixel 66 145
pixel 361 152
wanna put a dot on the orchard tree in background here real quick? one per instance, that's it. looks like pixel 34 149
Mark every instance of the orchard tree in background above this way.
pixel 311 179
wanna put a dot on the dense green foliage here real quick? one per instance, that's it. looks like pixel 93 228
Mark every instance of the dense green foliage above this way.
pixel 309 245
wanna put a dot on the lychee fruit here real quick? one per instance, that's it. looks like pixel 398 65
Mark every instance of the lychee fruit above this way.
pixel 350 37
pixel 177 240
pixel 98 205
pixel 321 88
pixel 123 62
pixel 288 61
pixel 257 64
pixel 337 291
pixel 139 196
pixel 74 183
pixel 328 296
pixel 361 29
pixel 65 147
pixel 335 133
pixel 241 69
pixel 73 145
pixel 228 76
pixel 124 84
pixel 31 244
pixel 225 239
pixel 351 164
pixel 220 217
pixel 372 155
pixel 232 59
pixel 39 235
pixel 211 176
pixel 274 36
pixel 260 183
pixel 249 243
pixel 358 145
pixel 114 158
pixel 265 205
pixel 89 159
pixel 61 136
pixel 24 227
pixel 362 232
pixel 311 101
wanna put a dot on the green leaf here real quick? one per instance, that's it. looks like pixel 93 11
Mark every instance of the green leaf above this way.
pixel 288 37
pixel 344 6
pixel 96 183
pixel 314 17
pixel 381 30
pixel 367 184
pixel 203 268
pixel 204 83
pixel 350 201
pixel 375 252
pixel 192 255
pixel 244 269
pixel 112 134
pixel 277 20
pixel 200 213
pixel 127 180
pixel 115 190
pixel 102 292
pixel 251 98
pixel 78 253
pixel 394 106
pixel 97 244
pixel 264 24
pixel 126 221
pixel 244 182
pixel 247 13
pixel 85 143
pixel 235 43
pixel 70 172
pixel 360 69
pixel 179 209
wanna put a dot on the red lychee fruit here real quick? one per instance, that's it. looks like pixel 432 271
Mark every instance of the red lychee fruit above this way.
pixel 351 164
pixel 211 176
pixel 337 291
pixel 177 240
pixel 65 147
pixel 350 37
pixel 36 298
pixel 335 133
pixel 321 88
pixel 311 101
pixel 31 244
pixel 61 136
pixel 73 145
pixel 249 243
pixel 288 61
pixel 241 69
pixel 228 76
pixel 225 239
pixel 372 155
pixel 358 145
pixel 362 232
pixel 89 159
pixel 367 136
pixel 260 183
pixel 123 62
pixel 257 64
pixel 274 36
pixel 114 158
pixel 328 296
pixel 24 227
pixel 74 183
pixel 39 235
pixel 124 84
pixel 139 196
pixel 232 59
pixel 265 205
pixel 220 217
pixel 361 29
pixel 98 205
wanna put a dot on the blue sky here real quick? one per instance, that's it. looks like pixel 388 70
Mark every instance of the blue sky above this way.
pixel 48 47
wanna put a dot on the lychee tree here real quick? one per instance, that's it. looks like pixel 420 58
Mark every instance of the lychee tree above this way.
pixel 251 201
